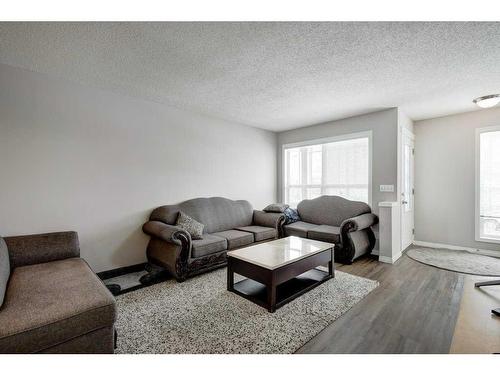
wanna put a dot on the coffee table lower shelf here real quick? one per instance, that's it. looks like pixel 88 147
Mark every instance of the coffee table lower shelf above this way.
pixel 285 292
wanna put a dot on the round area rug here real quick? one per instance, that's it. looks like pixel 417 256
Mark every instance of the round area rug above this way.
pixel 457 260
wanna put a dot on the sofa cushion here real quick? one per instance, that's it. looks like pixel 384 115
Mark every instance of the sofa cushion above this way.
pixel 4 269
pixel 291 215
pixel 50 303
pixel 235 238
pixel 299 229
pixel 260 233
pixel 276 207
pixel 325 233
pixel 41 248
pixel 209 244
pixel 190 225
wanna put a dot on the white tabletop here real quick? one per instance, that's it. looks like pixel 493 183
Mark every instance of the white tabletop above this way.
pixel 274 254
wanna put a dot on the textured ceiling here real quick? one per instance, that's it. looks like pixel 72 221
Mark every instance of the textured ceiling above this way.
pixel 275 76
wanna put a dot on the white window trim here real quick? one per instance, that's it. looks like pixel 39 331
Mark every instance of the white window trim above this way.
pixel 479 131
pixel 319 141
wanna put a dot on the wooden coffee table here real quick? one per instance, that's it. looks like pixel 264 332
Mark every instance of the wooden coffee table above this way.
pixel 279 271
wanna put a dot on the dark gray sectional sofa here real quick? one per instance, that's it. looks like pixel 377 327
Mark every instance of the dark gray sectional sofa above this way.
pixel 53 302
pixel 334 219
pixel 228 225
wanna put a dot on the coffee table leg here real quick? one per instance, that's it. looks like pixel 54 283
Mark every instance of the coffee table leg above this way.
pixel 230 276
pixel 331 265
pixel 271 298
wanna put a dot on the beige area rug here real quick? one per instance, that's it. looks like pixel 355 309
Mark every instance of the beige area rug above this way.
pixel 201 316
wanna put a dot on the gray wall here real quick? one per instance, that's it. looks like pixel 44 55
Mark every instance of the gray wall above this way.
pixel 383 124
pixel 78 158
pixel 445 178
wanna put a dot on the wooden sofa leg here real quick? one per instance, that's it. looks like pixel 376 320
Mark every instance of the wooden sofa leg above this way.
pixel 181 274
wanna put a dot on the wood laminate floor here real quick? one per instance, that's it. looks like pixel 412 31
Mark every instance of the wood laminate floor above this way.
pixel 477 330
pixel 414 310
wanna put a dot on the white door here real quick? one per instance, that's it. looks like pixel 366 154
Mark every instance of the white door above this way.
pixel 408 191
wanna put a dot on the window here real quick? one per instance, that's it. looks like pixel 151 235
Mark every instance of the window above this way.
pixel 336 166
pixel 488 184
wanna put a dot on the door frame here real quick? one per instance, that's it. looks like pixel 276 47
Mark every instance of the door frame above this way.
pixel 405 132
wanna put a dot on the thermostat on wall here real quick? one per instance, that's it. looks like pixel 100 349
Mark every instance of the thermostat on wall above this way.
pixel 387 188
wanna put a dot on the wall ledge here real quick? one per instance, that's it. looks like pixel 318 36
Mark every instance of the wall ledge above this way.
pixel 388 204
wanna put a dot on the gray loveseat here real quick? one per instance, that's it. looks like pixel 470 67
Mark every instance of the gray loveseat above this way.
pixel 53 302
pixel 334 219
pixel 228 225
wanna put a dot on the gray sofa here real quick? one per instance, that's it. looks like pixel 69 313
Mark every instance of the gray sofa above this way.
pixel 53 301
pixel 228 224
pixel 334 219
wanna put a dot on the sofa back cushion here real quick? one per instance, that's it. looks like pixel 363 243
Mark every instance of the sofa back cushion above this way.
pixel 4 269
pixel 330 210
pixel 40 248
pixel 216 213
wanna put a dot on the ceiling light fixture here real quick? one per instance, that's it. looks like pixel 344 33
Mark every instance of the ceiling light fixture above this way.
pixel 487 101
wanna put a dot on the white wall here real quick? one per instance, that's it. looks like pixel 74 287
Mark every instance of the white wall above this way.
pixel 78 158
pixel 383 124
pixel 445 178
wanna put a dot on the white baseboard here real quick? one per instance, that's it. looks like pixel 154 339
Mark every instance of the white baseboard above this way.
pixel 390 260
pixel 491 253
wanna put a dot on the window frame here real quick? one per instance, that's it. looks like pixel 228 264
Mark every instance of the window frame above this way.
pixel 320 141
pixel 477 213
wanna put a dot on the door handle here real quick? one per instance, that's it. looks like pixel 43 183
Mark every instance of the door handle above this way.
pixel 404 202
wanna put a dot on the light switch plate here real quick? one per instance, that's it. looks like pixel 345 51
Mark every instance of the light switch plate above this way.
pixel 387 188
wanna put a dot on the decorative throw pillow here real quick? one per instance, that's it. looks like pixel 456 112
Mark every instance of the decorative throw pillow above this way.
pixel 190 225
pixel 4 269
pixel 276 207
pixel 291 215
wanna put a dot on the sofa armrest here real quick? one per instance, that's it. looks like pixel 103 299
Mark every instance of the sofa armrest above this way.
pixel 359 222
pixel 42 248
pixel 176 247
pixel 268 219
pixel 166 232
